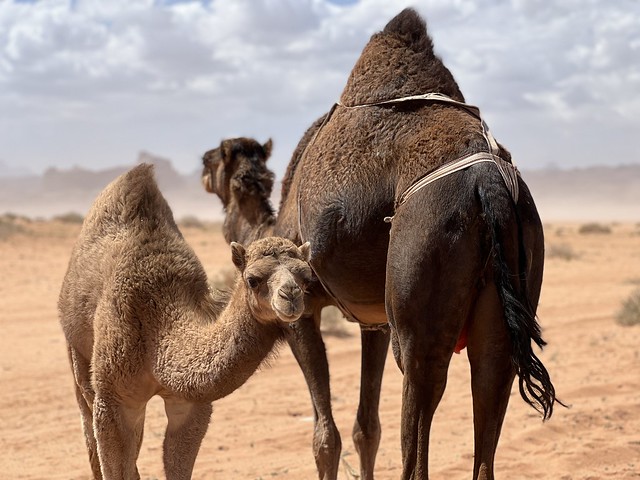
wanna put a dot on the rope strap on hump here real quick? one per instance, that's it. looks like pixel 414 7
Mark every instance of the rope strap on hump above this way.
pixel 507 170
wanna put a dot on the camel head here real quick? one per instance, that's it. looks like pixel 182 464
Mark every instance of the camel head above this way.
pixel 275 273
pixel 237 170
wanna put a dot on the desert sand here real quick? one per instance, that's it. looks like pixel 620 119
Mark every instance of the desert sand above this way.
pixel 264 429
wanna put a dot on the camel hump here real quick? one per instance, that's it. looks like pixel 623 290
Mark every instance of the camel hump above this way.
pixel 399 61
pixel 132 197
pixel 139 181
pixel 143 172
pixel 410 27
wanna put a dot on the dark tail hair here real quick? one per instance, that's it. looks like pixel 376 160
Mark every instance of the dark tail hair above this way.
pixel 535 384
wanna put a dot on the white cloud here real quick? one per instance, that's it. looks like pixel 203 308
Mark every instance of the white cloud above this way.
pixel 177 77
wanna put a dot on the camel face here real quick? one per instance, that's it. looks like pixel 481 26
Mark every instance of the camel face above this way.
pixel 276 275
pixel 226 168
pixel 211 161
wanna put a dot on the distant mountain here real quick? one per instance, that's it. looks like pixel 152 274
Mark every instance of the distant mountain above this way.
pixel 588 194
pixel 59 191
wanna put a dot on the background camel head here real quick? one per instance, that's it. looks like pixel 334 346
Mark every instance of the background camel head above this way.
pixel 276 274
pixel 237 169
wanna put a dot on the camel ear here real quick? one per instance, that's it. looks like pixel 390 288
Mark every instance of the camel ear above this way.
pixel 267 147
pixel 305 251
pixel 238 256
pixel 226 150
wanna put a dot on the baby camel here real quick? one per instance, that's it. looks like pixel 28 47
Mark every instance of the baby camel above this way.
pixel 140 320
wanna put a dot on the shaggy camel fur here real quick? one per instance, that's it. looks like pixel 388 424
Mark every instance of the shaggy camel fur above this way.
pixel 140 320
pixel 237 173
pixel 462 260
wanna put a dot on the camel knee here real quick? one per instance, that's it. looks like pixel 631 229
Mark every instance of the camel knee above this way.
pixel 327 446
pixel 327 438
pixel 366 436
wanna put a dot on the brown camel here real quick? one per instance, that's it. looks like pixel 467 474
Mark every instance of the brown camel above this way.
pixel 140 320
pixel 459 260
pixel 237 173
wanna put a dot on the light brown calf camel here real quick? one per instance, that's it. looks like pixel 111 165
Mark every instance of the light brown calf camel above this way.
pixel 140 320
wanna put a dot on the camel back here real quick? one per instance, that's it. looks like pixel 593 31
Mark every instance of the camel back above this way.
pixel 130 245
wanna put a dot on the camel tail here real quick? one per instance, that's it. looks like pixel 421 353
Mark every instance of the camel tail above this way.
pixel 534 382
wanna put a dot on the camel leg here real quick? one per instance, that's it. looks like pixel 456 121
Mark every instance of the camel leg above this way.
pixel 187 425
pixel 427 332
pixel 118 428
pixel 492 375
pixel 308 348
pixel 424 382
pixel 366 430
pixel 85 396
pixel 428 302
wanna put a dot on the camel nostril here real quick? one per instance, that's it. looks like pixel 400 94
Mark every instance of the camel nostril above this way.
pixel 290 293
pixel 284 295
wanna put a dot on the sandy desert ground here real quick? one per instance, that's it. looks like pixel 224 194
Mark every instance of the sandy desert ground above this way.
pixel 264 429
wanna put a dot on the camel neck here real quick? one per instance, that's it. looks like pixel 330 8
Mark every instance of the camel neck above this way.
pixel 249 221
pixel 213 357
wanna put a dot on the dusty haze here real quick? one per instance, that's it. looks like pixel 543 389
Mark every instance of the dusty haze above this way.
pixel 595 193
pixel 264 429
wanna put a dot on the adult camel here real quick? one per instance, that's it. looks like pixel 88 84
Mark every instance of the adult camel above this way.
pixel 237 173
pixel 459 259
pixel 140 320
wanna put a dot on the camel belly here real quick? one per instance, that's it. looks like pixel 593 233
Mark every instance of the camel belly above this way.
pixel 371 315
pixel 352 268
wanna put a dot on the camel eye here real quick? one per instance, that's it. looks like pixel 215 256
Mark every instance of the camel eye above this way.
pixel 252 282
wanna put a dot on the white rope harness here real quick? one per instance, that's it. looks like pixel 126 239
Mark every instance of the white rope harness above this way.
pixel 508 170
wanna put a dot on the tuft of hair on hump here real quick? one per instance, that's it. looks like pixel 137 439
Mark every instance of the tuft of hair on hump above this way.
pixel 412 29
pixel 143 170
pixel 141 183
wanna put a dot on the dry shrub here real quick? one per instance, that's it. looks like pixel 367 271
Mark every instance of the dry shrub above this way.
pixel 594 228
pixel 9 226
pixel 70 217
pixel 14 217
pixel 629 313
pixel 563 251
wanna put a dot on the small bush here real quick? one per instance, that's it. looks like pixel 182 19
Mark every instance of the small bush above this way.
pixel 629 313
pixel 563 251
pixel 14 217
pixel 594 228
pixel 9 227
pixel 71 217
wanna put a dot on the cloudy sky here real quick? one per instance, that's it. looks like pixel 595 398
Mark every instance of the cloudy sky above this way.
pixel 93 82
